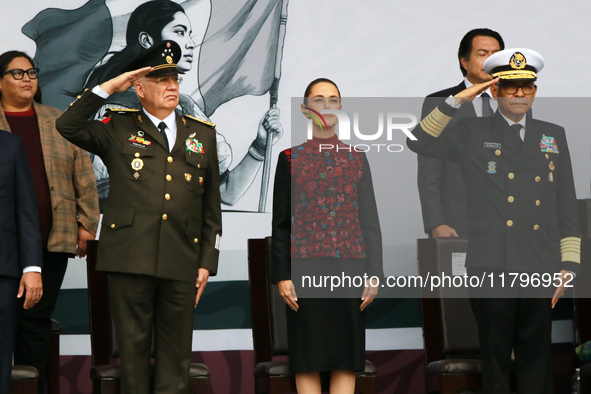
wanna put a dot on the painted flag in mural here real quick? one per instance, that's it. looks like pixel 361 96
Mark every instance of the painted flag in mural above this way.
pixel 238 54
pixel 69 44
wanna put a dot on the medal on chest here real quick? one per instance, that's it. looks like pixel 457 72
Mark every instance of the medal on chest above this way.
pixel 548 144
pixel 138 140
pixel 194 147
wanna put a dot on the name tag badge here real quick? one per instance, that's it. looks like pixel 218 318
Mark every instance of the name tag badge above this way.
pixel 492 145
pixel 136 145
pixel 139 141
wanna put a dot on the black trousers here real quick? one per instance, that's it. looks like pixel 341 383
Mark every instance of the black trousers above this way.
pixel 8 291
pixel 33 326
pixel 146 307
pixel 522 324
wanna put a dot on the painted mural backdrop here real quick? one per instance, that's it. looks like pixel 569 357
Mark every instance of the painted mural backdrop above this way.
pixel 231 48
pixel 379 48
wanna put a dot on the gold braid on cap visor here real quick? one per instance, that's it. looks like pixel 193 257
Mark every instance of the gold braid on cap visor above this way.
pixel 515 74
pixel 159 67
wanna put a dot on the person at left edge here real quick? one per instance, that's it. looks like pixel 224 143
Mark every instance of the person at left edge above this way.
pixel 162 225
pixel 20 244
pixel 67 199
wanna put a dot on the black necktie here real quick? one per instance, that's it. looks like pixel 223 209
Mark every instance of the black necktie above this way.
pixel 162 128
pixel 486 108
pixel 517 128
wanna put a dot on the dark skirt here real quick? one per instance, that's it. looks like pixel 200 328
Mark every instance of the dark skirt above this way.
pixel 326 334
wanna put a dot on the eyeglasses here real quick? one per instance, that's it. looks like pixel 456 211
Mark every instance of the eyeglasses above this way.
pixel 166 80
pixel 19 73
pixel 512 89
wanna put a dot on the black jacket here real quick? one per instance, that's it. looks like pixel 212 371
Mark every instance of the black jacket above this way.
pixel 20 240
pixel 521 200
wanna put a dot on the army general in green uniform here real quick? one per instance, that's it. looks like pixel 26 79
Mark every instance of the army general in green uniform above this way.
pixel 161 230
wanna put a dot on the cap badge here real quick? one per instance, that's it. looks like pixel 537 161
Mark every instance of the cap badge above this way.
pixel 517 61
pixel 168 59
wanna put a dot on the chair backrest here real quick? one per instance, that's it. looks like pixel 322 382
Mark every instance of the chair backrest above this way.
pixel 269 326
pixel 277 308
pixel 449 326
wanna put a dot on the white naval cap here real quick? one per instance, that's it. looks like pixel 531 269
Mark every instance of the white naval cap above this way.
pixel 514 63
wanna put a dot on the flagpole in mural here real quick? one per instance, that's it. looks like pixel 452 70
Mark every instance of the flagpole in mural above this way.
pixel 274 97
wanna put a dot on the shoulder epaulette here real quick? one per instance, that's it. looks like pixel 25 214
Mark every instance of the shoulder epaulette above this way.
pixel 123 110
pixel 200 120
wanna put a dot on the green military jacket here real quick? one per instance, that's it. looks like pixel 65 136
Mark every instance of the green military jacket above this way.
pixel 163 215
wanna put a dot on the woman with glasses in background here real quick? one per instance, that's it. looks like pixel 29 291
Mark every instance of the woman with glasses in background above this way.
pixel 67 200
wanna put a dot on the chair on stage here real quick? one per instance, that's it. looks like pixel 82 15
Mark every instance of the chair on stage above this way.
pixel 105 376
pixel 269 327
pixel 450 331
pixel 23 380
pixel 53 364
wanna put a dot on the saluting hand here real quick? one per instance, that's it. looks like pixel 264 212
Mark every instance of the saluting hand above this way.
pixel 467 95
pixel 287 291
pixel 124 81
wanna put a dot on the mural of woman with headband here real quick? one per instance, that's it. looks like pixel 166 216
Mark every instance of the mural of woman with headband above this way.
pixel 150 23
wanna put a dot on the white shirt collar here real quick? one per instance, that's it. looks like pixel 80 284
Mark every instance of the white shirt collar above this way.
pixel 511 123
pixel 170 130
pixel 170 120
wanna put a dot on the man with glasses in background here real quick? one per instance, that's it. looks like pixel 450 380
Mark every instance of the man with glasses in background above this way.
pixel 161 231
pixel 522 217
pixel 441 184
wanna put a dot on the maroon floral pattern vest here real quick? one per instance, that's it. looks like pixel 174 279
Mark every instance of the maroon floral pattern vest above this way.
pixel 325 200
